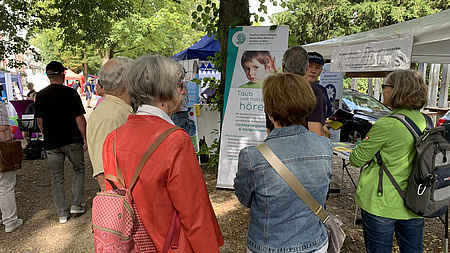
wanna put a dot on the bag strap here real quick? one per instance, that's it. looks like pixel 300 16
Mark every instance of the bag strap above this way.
pixel 412 127
pixel 290 179
pixel 415 131
pixel 389 175
pixel 173 235
pixel 119 178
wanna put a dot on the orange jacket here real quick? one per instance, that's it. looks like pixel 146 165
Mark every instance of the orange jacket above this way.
pixel 171 179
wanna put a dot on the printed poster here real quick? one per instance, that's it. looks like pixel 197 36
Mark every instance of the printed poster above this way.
pixel 333 83
pixel 254 52
pixel 374 56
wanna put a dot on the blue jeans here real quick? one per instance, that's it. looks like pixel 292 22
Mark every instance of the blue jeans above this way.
pixel 56 157
pixel 378 233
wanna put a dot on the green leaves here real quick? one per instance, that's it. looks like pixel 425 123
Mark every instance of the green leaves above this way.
pixel 312 21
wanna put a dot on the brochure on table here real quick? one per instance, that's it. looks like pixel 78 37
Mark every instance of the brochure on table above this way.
pixel 244 122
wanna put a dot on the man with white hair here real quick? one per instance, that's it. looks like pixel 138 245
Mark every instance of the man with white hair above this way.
pixel 110 114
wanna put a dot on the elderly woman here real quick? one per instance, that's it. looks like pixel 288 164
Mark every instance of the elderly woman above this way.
pixel 280 220
pixel 405 92
pixel 172 178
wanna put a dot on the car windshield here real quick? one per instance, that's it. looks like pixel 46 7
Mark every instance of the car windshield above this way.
pixel 358 101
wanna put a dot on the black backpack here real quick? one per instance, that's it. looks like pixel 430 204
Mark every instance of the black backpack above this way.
pixel 428 191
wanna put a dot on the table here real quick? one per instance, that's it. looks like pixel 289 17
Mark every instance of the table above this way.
pixel 343 151
pixel 20 106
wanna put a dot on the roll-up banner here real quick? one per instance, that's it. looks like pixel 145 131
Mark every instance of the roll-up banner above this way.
pixel 254 52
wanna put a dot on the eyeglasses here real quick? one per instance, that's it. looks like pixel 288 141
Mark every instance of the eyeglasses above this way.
pixel 383 86
pixel 180 85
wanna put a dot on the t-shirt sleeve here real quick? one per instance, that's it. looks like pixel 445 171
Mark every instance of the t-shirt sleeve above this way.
pixel 319 111
pixel 37 107
pixel 78 108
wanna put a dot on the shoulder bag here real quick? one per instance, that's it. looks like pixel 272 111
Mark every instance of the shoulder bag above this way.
pixel 11 155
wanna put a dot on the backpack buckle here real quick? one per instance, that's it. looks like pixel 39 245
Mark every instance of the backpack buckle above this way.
pixel 419 192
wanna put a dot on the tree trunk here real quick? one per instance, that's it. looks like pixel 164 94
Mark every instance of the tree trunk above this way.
pixel 230 10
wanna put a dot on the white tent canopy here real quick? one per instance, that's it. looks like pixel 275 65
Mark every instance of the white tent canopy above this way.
pixel 431 38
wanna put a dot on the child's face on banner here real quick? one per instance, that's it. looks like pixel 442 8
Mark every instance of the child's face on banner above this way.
pixel 255 71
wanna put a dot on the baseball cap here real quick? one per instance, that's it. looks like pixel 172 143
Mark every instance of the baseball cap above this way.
pixel 54 68
pixel 315 57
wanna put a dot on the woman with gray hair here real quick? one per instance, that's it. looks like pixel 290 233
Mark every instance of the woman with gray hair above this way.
pixel 171 179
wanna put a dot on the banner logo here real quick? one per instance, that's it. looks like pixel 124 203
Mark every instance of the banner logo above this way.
pixel 239 38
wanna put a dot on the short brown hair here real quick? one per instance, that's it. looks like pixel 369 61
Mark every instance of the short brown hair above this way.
pixel 262 57
pixel 288 98
pixel 410 91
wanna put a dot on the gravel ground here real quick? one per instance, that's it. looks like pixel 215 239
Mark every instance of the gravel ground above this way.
pixel 42 232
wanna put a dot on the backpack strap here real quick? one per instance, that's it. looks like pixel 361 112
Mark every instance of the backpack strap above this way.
pixel 389 175
pixel 415 131
pixel 148 153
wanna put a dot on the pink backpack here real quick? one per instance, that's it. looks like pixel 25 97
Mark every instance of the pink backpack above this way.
pixel 116 223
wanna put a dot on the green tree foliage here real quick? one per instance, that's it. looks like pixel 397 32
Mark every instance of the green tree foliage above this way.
pixel 163 27
pixel 13 27
pixel 119 27
pixel 312 21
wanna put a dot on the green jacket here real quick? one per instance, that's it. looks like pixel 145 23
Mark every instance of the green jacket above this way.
pixel 397 150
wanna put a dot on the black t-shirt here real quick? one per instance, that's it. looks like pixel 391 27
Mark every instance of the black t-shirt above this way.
pixel 316 115
pixel 30 92
pixel 58 105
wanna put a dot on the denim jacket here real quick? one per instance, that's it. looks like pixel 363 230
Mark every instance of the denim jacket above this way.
pixel 280 221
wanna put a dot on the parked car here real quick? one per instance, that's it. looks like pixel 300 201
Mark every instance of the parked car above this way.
pixel 444 119
pixel 366 111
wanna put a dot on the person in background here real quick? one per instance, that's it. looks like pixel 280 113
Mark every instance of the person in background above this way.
pixel 8 206
pixel 76 86
pixel 295 60
pixel 313 72
pixel 110 114
pixel 100 92
pixel 172 178
pixel 31 108
pixel 30 87
pixel 280 221
pixel 88 91
pixel 60 117
pixel 405 92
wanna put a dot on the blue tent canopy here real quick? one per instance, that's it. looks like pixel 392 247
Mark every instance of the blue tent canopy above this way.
pixel 207 46
pixel 2 78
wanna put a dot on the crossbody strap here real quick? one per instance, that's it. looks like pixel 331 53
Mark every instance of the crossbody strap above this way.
pixel 119 178
pixel 290 179
pixel 389 175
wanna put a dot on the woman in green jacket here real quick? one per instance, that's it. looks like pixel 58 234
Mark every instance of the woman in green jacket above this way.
pixel 405 92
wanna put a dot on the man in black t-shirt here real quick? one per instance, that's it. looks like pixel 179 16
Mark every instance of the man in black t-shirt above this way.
pixel 60 116
pixel 295 60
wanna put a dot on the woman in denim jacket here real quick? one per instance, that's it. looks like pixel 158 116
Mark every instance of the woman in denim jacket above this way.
pixel 280 221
